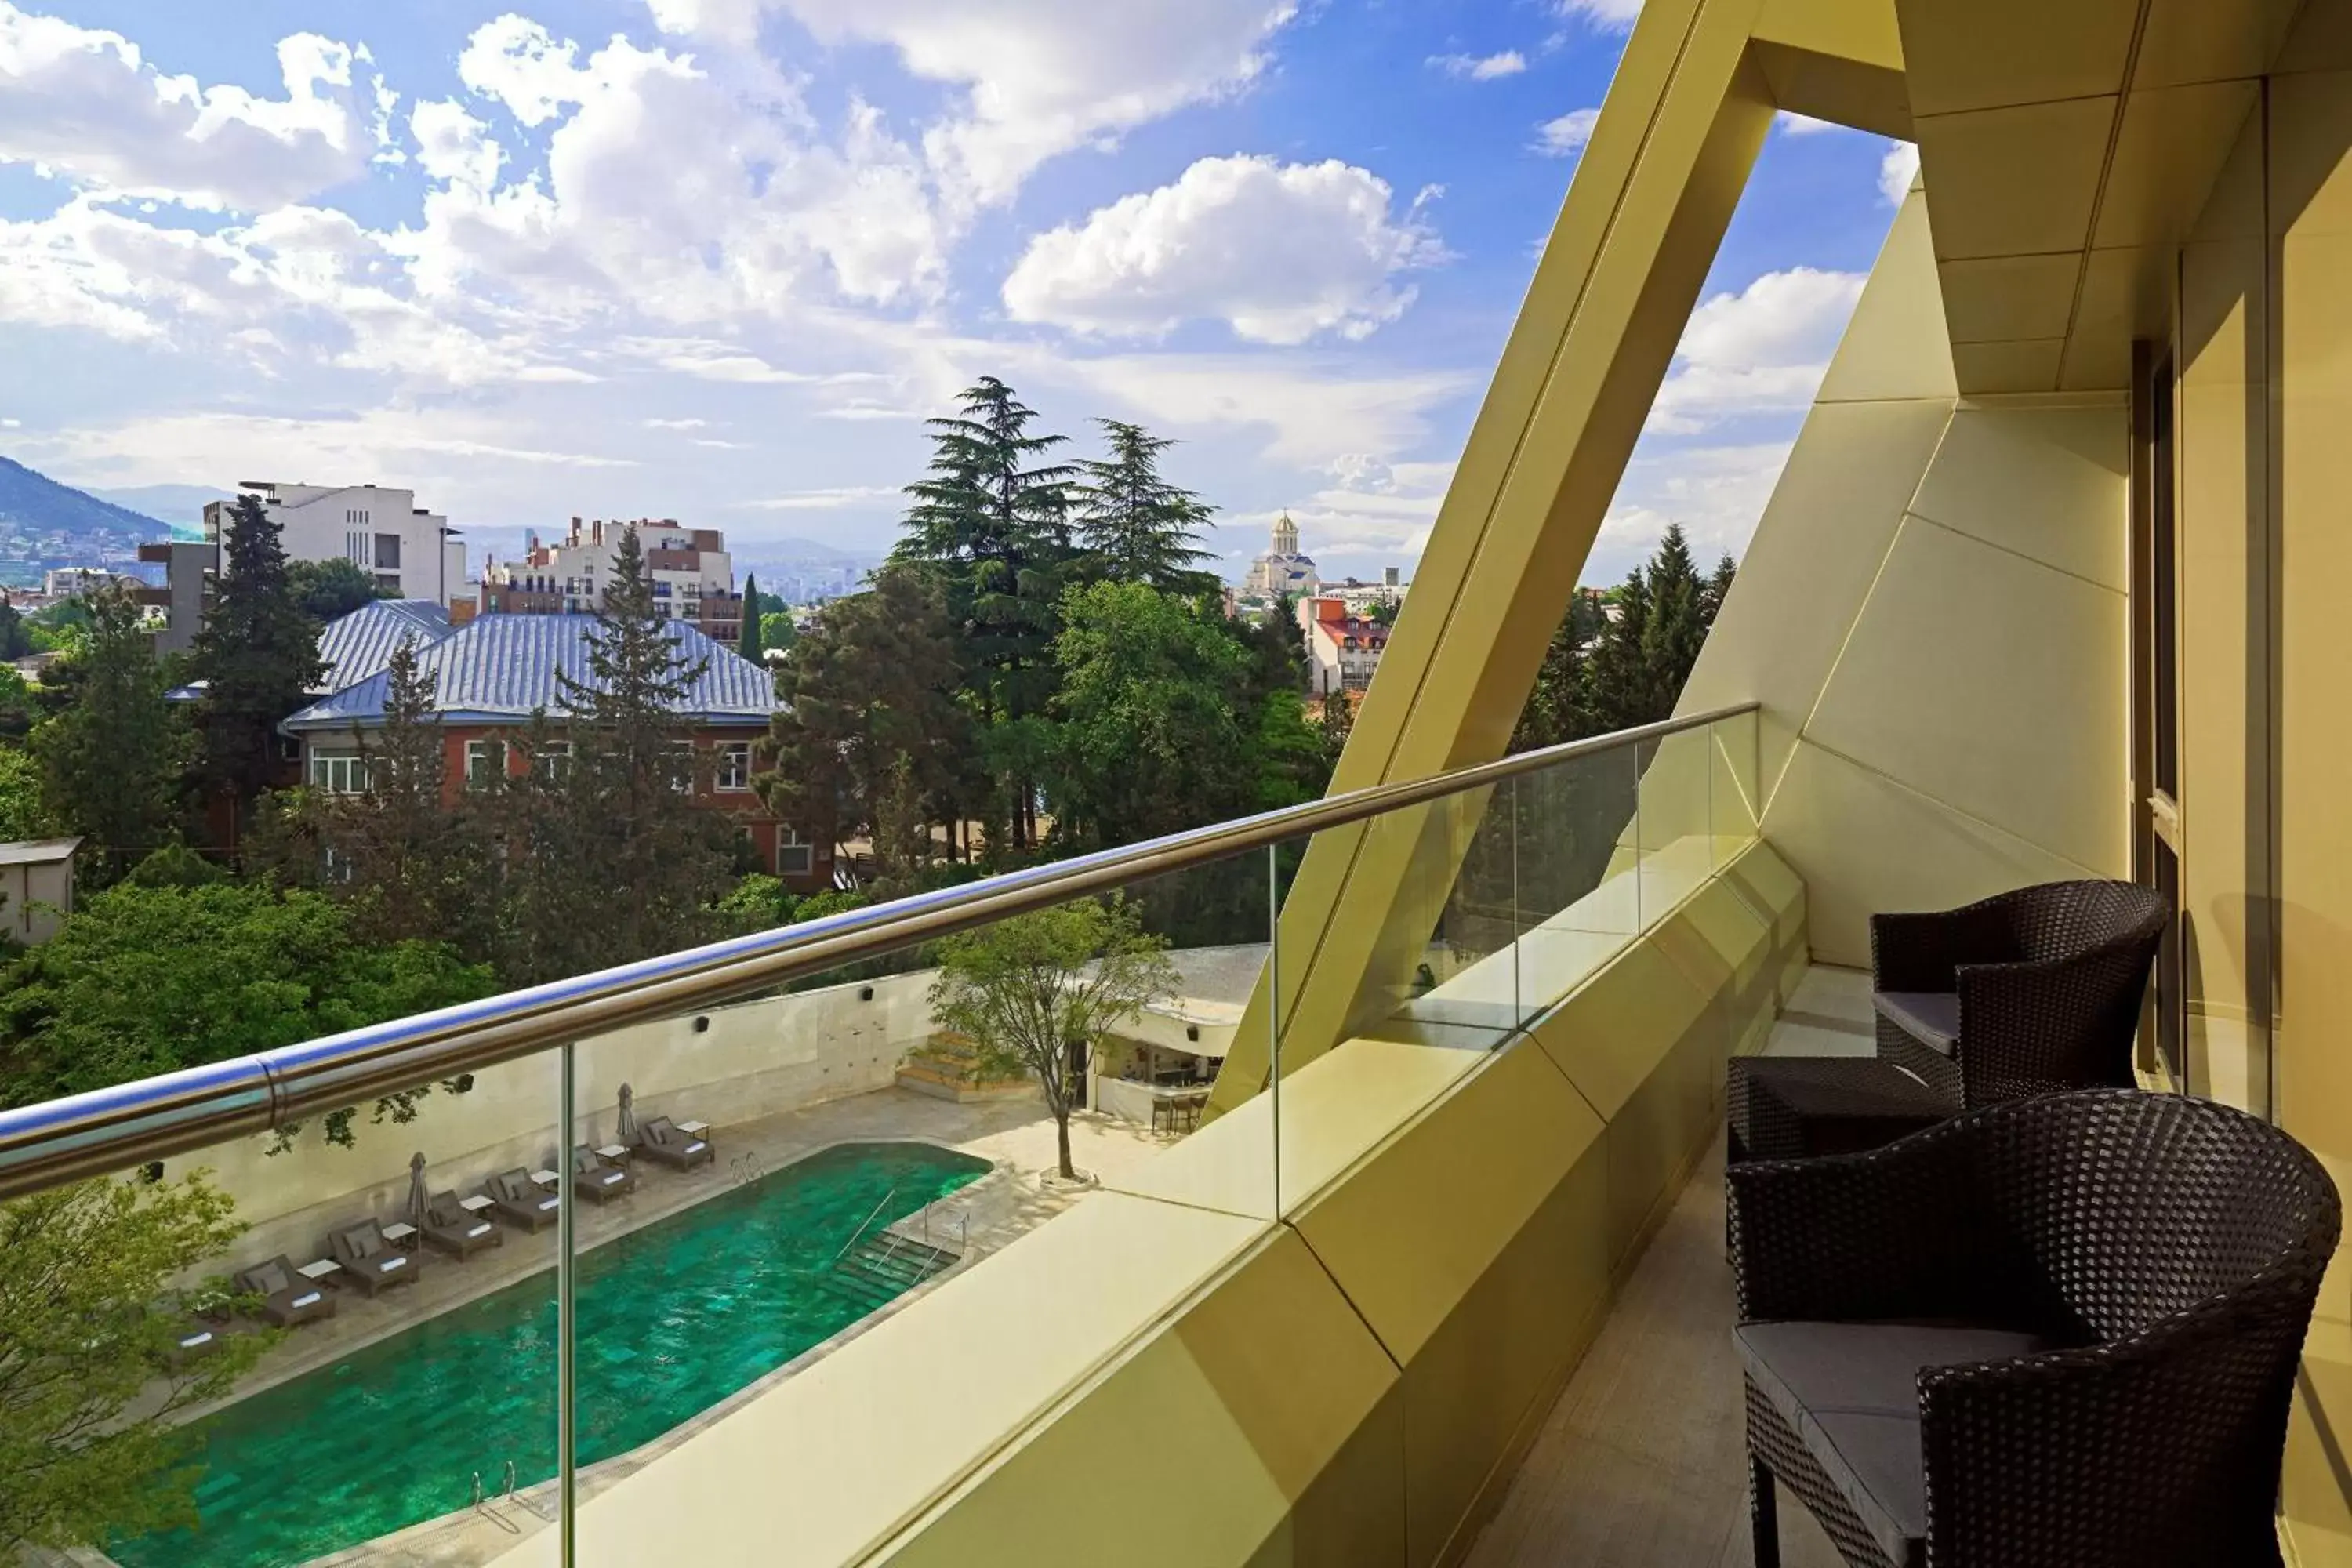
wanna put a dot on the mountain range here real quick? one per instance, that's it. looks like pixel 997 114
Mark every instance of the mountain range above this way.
pixel 45 524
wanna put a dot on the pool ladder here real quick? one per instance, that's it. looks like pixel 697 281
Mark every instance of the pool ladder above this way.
pixel 483 1504
pixel 745 1168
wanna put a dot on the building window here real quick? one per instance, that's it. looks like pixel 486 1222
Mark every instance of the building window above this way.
pixel 486 762
pixel 793 858
pixel 554 762
pixel 735 766
pixel 684 766
pixel 337 773
pixel 387 551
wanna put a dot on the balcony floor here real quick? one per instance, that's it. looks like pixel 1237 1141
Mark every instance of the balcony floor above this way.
pixel 1641 1463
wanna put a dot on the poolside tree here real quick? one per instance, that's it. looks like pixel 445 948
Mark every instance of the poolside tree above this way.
pixel 1038 993
pixel 90 1443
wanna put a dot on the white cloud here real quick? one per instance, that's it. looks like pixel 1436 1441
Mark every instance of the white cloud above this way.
pixel 524 66
pixel 454 147
pixel 1568 134
pixel 1481 67
pixel 827 499
pixel 1791 123
pixel 1363 472
pixel 675 424
pixel 1896 170
pixel 1613 15
pixel 1040 77
pixel 1759 350
pixel 1281 252
pixel 88 103
pixel 1717 493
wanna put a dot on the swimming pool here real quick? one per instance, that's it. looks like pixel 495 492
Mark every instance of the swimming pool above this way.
pixel 673 1318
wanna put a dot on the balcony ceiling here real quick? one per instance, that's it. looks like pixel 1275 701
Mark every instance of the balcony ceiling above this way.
pixel 2067 145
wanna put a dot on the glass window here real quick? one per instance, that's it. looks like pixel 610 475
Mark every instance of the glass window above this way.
pixel 555 760
pixel 387 551
pixel 337 773
pixel 735 765
pixel 793 858
pixel 485 762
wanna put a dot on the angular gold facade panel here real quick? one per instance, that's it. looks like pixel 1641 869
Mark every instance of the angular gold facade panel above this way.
pixel 1993 684
pixel 1864 843
pixel 1895 344
pixel 1611 1033
pixel 2126 294
pixel 2201 40
pixel 2044 482
pixel 2170 147
pixel 2014 182
pixel 1991 369
pixel 1996 299
pixel 2319 40
pixel 1992 53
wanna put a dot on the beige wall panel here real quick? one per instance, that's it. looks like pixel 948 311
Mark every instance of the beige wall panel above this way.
pixel 1810 565
pixel 1995 52
pixel 2320 39
pixel 1998 299
pixel 2170 148
pixel 1660 1129
pixel 2311 203
pixel 1863 843
pixel 2046 482
pixel 1414 1226
pixel 1895 344
pixel 2198 40
pixel 1268 1397
pixel 1762 878
pixel 1480 1386
pixel 1993 684
pixel 1611 1034
pixel 2126 294
pixel 1717 938
pixel 1988 368
pixel 2012 181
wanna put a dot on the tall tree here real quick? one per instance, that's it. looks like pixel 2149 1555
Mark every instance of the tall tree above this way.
pixel 111 762
pixel 1677 622
pixel 257 653
pixel 1719 586
pixel 630 764
pixel 15 641
pixel 1134 525
pixel 993 521
pixel 92 1397
pixel 869 690
pixel 330 590
pixel 748 639
pixel 414 862
pixel 1040 993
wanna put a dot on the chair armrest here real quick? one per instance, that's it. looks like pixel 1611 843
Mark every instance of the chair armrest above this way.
pixel 1891 1232
pixel 1923 951
pixel 2050 1024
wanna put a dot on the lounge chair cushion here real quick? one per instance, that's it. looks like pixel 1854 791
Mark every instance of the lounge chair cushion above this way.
pixel 550 1203
pixel 481 1229
pixel 1930 1017
pixel 1850 1391
pixel 267 1278
pixel 307 1299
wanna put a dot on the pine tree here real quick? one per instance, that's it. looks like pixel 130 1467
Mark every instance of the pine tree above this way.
pixel 1677 622
pixel 414 860
pixel 992 522
pixel 1719 586
pixel 110 763
pixel 747 640
pixel 257 653
pixel 1133 524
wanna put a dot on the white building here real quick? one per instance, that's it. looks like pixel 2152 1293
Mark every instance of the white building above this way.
pixel 80 581
pixel 1281 569
pixel 37 888
pixel 413 552
pixel 693 574
pixel 1343 648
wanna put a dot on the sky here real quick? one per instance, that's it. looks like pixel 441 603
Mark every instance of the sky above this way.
pixel 717 260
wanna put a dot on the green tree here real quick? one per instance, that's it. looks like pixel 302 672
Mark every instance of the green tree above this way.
pixel 1040 993
pixel 869 688
pixel 621 787
pixel 1677 622
pixel 257 653
pixel 142 980
pixel 993 522
pixel 330 590
pixel 111 763
pixel 16 641
pixel 1719 586
pixel 748 642
pixel 92 1396
pixel 1134 525
pixel 16 706
pixel 22 814
pixel 174 864
pixel 776 630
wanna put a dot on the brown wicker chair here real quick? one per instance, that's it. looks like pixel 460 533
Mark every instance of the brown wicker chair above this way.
pixel 2055 1332
pixel 2030 991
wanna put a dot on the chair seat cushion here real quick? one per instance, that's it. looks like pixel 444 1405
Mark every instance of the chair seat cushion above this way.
pixel 1851 1391
pixel 1930 1017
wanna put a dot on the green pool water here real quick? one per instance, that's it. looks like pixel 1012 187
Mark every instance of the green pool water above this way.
pixel 673 1318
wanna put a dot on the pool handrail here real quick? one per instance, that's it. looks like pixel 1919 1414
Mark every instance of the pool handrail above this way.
pixel 127 1125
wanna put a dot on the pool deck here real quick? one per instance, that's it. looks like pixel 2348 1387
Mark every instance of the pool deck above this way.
pixel 1016 1137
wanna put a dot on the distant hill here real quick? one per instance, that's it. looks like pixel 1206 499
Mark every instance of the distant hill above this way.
pixel 182 506
pixel 45 524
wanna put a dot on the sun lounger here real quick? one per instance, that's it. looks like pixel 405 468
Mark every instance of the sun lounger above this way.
pixel 659 1138
pixel 520 1201
pixel 592 1178
pixel 450 1227
pixel 192 1338
pixel 370 1261
pixel 287 1298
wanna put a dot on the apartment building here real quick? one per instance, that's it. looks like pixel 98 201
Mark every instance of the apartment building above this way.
pixel 411 553
pixel 1343 648
pixel 693 574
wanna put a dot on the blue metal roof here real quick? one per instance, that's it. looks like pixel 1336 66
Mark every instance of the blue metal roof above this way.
pixel 361 644
pixel 499 669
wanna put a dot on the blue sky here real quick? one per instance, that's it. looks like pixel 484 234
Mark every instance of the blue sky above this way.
pixel 716 260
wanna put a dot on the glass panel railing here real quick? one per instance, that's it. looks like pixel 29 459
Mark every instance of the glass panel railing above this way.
pixel 1673 827
pixel 1734 805
pixel 1579 901
pixel 297 1344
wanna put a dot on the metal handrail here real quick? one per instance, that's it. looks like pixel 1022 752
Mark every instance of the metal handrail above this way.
pixel 127 1124
pixel 861 1227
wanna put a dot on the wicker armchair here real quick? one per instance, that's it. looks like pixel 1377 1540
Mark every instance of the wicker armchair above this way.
pixel 2031 991
pixel 2060 1331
